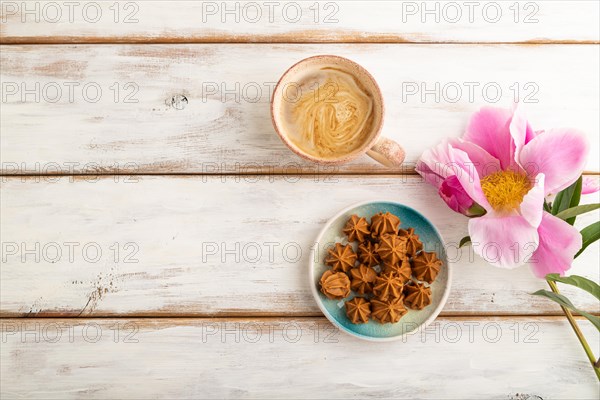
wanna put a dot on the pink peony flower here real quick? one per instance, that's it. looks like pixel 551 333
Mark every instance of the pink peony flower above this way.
pixel 503 169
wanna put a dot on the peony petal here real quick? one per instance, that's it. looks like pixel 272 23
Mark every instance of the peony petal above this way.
pixel 439 163
pixel 469 178
pixel 434 164
pixel 484 162
pixel 559 154
pixel 522 133
pixel 531 134
pixel 532 206
pixel 504 242
pixel 518 129
pixel 590 185
pixel 441 166
pixel 489 129
pixel 452 192
pixel 428 174
pixel 462 159
pixel 559 242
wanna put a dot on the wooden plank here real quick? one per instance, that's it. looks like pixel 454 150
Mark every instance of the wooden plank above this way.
pixel 225 126
pixel 206 246
pixel 469 358
pixel 299 21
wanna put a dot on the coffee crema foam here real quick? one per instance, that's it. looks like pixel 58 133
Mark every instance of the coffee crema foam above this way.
pixel 333 116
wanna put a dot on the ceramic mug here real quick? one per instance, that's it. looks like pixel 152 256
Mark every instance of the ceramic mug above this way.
pixel 381 149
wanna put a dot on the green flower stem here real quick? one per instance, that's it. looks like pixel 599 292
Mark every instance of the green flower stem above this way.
pixel 579 334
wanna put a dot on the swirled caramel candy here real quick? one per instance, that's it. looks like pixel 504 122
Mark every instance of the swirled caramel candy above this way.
pixel 387 286
pixel 402 269
pixel 357 228
pixel 358 310
pixel 341 258
pixel 382 224
pixel 386 312
pixel 413 244
pixel 417 296
pixel 362 279
pixel 367 254
pixel 426 266
pixel 335 285
pixel 391 249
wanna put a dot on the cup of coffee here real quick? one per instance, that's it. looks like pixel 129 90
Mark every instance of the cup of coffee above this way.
pixel 329 110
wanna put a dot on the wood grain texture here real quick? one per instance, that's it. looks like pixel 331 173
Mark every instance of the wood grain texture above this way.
pixel 224 126
pixel 468 358
pixel 300 21
pixel 206 246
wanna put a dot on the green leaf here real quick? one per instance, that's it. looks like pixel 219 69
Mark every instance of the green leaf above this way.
pixel 578 210
pixel 547 207
pixel 568 198
pixel 576 197
pixel 589 235
pixel 565 302
pixel 476 211
pixel 562 200
pixel 464 241
pixel 577 281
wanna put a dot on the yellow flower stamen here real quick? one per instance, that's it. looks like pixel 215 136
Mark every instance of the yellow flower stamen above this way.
pixel 505 190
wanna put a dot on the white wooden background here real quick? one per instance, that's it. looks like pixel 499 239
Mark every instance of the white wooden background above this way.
pixel 167 190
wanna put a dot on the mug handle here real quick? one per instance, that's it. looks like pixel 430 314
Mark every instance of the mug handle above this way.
pixel 387 152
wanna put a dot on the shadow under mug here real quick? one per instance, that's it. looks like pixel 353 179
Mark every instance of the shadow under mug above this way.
pixel 381 149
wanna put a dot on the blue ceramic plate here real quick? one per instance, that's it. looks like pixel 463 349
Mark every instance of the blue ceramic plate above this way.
pixel 414 320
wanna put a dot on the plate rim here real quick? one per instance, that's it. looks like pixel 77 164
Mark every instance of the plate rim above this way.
pixel 318 300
